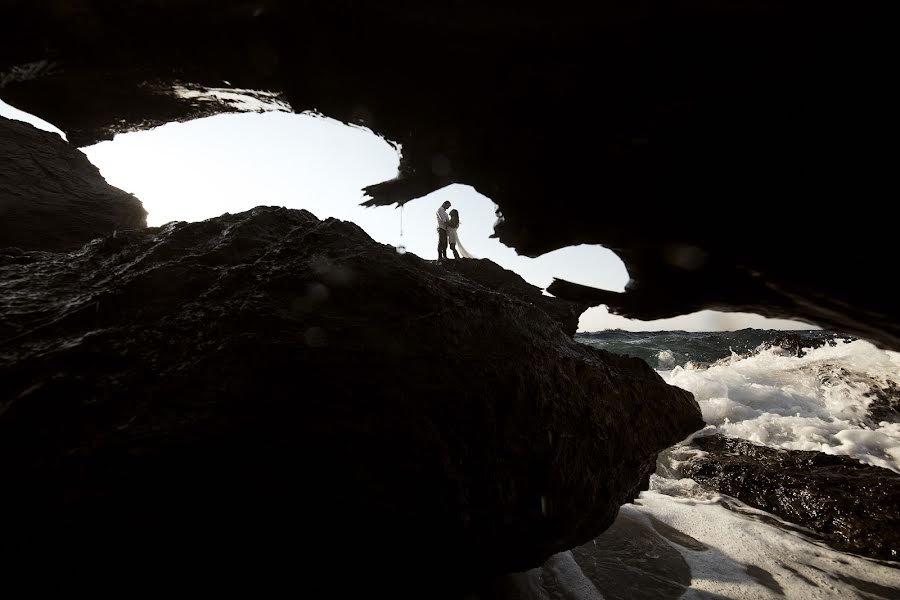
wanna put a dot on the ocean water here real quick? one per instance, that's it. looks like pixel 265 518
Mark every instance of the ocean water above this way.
pixel 809 390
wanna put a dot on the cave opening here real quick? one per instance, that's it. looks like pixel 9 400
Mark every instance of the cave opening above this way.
pixel 201 386
pixel 232 162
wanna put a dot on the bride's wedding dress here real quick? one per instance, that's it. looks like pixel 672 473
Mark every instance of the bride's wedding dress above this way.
pixel 453 238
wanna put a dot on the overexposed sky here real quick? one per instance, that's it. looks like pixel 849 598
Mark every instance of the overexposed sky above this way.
pixel 231 163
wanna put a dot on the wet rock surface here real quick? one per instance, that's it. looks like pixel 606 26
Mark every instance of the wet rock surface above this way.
pixel 629 560
pixel 52 197
pixel 799 345
pixel 265 386
pixel 610 562
pixel 852 506
pixel 883 393
pixel 885 403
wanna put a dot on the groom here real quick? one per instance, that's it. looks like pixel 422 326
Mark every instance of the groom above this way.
pixel 442 220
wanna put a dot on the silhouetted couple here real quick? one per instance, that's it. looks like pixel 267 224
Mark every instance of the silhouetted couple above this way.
pixel 447 226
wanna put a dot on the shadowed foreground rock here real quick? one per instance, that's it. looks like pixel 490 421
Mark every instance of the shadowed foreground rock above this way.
pixel 854 507
pixel 268 387
pixel 52 197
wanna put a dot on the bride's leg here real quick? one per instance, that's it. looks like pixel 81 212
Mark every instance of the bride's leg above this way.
pixel 455 253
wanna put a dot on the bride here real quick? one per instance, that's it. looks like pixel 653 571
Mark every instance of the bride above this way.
pixel 453 237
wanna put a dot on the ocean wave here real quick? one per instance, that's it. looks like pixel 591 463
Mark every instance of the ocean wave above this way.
pixel 839 398
pixel 667 349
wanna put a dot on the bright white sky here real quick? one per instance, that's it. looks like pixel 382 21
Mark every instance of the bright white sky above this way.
pixel 231 163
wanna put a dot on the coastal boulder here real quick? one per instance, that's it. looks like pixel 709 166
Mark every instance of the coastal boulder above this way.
pixel 852 506
pixel 266 386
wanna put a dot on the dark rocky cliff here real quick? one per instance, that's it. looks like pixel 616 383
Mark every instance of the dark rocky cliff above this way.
pixel 269 385
pixel 52 197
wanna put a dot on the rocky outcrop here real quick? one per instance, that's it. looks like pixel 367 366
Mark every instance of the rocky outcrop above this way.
pixel 267 386
pixel 885 402
pixel 52 197
pixel 684 110
pixel 493 276
pixel 854 507
pixel 798 345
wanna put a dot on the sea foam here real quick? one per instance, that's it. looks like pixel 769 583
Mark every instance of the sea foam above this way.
pixel 820 401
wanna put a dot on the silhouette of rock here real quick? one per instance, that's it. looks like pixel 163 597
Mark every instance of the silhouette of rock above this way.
pixel 52 197
pixel 493 276
pixel 852 506
pixel 627 124
pixel 266 387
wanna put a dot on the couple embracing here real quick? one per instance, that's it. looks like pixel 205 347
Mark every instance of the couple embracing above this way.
pixel 447 227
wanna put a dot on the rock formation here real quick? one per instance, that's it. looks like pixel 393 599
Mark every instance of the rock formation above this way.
pixel 52 197
pixel 854 507
pixel 705 143
pixel 266 386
